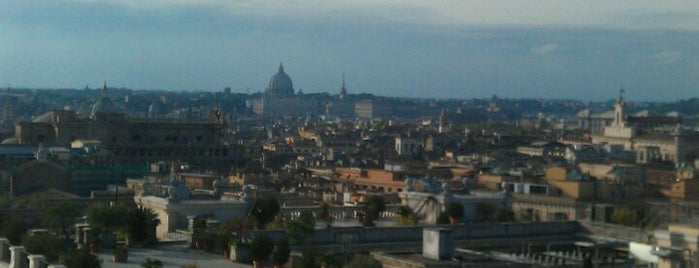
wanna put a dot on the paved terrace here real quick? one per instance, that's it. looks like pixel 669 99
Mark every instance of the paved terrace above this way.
pixel 410 237
pixel 173 255
pixel 340 239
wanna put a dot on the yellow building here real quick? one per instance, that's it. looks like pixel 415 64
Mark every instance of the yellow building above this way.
pixel 129 139
pixel 677 246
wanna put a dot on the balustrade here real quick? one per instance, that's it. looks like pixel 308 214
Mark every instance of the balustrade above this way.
pixel 19 257
pixel 37 261
pixel 5 250
pixel 338 212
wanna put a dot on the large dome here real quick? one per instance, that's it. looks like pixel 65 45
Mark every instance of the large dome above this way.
pixel 280 84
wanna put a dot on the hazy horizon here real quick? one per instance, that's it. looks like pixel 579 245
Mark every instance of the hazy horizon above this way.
pixel 471 49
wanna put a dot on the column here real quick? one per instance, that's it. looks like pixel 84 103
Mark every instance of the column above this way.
pixel 35 261
pixel 19 254
pixel 4 250
pixel 80 238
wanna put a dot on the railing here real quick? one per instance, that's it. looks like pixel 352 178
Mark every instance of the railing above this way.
pixel 338 212
pixel 18 257
pixel 413 235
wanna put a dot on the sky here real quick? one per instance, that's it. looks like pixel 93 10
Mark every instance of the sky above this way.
pixel 563 49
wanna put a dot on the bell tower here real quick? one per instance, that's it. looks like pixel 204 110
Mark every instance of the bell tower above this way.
pixel 619 106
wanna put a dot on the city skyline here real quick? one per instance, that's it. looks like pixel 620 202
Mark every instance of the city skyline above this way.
pixel 518 49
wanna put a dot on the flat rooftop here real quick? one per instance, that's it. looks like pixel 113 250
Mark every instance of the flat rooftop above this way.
pixel 171 254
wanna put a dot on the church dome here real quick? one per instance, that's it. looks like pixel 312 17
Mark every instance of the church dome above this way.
pixel 280 84
pixel 104 105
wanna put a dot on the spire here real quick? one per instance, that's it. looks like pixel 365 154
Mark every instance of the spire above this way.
pixel 281 67
pixel 621 93
pixel 343 90
pixel 105 93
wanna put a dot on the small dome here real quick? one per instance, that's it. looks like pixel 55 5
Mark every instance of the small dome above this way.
pixel 280 84
pixel 44 118
pixel 10 141
pixel 104 105
pixel 156 109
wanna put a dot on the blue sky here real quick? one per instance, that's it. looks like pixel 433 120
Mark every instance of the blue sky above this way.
pixel 440 49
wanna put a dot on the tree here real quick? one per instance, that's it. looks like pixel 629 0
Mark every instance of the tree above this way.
pixel 325 215
pixel 364 261
pixel 264 210
pixel 503 215
pixel 83 258
pixel 455 210
pixel 261 247
pixel 407 216
pixel 281 252
pixel 62 217
pixel 140 224
pixel 230 233
pixel 48 245
pixel 299 230
pixel 307 218
pixel 105 217
pixel 152 263
pixel 372 209
pixel 13 230
pixel 485 211
pixel 443 218
pixel 625 216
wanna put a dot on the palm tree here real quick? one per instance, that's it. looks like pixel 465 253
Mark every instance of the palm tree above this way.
pixel 325 214
pixel 264 211
pixel 407 216
pixel 372 209
pixel 141 223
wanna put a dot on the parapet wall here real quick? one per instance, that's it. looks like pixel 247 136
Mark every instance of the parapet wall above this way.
pixel 413 234
pixel 618 232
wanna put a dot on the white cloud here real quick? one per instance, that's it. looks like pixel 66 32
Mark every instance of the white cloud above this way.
pixel 619 14
pixel 543 49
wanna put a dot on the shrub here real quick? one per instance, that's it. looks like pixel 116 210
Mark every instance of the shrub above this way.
pixel 261 247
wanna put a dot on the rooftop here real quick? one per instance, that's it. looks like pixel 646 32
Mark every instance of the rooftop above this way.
pixel 172 255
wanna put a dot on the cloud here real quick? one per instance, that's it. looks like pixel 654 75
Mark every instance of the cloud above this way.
pixel 619 14
pixel 543 49
pixel 667 57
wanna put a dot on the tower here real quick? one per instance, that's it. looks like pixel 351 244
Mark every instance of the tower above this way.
pixel 443 121
pixel 343 90
pixel 619 116
pixel 8 111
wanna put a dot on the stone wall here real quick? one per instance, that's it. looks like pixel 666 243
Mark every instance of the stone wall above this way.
pixel 620 232
pixel 413 234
